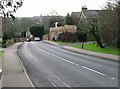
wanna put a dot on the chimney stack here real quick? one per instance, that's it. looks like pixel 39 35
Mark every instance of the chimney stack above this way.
pixel 84 7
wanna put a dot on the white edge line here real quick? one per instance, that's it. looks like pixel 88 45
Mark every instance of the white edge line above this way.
pixel 30 55
pixel 25 72
pixel 48 70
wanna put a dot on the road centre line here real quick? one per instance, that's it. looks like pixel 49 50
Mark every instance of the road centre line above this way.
pixel 93 70
pixel 47 70
pixel 98 72
pixel 57 56
pixel 76 64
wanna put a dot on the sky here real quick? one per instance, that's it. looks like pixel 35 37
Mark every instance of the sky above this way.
pixel 32 8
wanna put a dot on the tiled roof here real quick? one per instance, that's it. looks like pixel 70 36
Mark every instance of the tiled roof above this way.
pixel 91 13
pixel 75 14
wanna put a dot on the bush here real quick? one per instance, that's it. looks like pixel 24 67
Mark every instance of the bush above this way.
pixel 81 36
pixel 67 37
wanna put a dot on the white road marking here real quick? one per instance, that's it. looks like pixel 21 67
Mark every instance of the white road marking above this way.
pixel 25 53
pixel 75 63
pixel 112 78
pixel 52 83
pixel 59 79
pixel 93 70
pixel 47 69
pixel 99 72
pixel 68 62
pixel 30 55
pixel 58 56
pixel 26 71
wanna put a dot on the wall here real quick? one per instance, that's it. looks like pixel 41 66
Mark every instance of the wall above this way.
pixel 55 31
pixel 46 37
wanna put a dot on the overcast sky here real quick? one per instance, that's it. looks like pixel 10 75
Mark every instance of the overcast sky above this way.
pixel 36 7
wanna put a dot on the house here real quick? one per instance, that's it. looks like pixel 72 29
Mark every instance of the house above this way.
pixel 84 17
pixel 75 17
pixel 89 16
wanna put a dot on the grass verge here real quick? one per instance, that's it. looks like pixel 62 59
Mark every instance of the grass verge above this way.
pixel 1 53
pixel 60 42
pixel 95 48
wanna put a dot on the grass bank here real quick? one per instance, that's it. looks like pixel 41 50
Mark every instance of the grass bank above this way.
pixel 95 48
pixel 1 53
pixel 1 41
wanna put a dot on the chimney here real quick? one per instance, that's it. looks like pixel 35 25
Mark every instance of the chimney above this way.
pixel 56 23
pixel 84 7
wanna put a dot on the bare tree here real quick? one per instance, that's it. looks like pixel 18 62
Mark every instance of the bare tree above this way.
pixel 8 7
pixel 109 23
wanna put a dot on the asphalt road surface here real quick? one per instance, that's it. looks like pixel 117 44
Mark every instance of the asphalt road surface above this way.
pixel 51 66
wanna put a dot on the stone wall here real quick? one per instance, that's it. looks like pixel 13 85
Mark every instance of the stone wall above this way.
pixel 55 31
pixel 46 37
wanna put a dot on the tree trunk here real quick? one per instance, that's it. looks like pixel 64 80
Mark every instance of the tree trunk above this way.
pixel 97 38
pixel 82 45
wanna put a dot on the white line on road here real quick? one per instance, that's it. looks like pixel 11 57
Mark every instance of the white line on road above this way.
pixel 76 63
pixel 59 79
pixel 93 70
pixel 30 55
pixel 53 83
pixel 47 70
pixel 26 71
pixel 99 72
pixel 58 56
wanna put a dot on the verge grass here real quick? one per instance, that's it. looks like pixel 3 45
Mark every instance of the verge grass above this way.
pixel 95 48
pixel 1 53
pixel 60 42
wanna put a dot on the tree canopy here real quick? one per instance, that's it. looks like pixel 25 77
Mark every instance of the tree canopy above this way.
pixel 9 7
pixel 37 31
pixel 68 20
pixel 110 23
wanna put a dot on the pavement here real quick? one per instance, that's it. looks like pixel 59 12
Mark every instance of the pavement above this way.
pixel 14 73
pixel 86 52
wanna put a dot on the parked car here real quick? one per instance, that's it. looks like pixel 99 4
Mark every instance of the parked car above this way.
pixel 37 39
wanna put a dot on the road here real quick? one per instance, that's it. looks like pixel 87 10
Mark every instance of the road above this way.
pixel 51 66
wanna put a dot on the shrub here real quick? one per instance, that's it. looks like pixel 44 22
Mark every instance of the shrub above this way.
pixel 81 36
pixel 67 37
